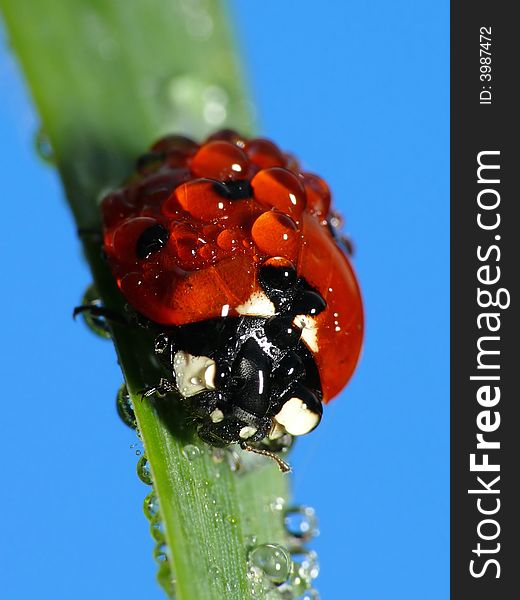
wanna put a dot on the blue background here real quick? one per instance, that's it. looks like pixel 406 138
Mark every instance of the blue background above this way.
pixel 360 91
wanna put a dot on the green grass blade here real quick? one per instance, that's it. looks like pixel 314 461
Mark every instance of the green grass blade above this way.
pixel 108 77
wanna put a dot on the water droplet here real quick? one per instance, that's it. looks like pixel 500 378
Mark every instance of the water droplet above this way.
pixel 157 531
pixel 100 37
pixel 286 442
pixel 294 587
pixel 137 447
pixel 185 95
pixel 301 522
pixel 96 324
pixel 151 507
pixel 232 519
pixel 259 584
pixel 166 579
pixel 191 452
pixel 215 574
pixel 218 455
pixel 231 586
pixel 160 552
pixel 215 101
pixel 198 21
pixel 275 594
pixel 311 565
pixel 311 594
pixel 143 470
pixel 273 560
pixel 124 407
pixel 277 504
pixel 43 147
pixel 250 541
pixel 306 565
pixel 255 574
pixel 196 102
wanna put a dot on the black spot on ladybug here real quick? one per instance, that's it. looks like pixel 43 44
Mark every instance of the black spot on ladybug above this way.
pixel 151 240
pixel 234 190
pixel 277 278
pixel 290 294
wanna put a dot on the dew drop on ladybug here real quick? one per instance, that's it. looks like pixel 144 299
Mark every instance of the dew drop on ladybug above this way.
pixel 227 247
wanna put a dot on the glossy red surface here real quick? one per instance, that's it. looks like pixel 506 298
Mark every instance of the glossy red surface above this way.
pixel 209 265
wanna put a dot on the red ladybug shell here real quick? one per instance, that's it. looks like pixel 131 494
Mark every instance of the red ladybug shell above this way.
pixel 208 267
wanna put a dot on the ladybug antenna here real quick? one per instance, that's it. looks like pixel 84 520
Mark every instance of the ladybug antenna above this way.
pixel 283 466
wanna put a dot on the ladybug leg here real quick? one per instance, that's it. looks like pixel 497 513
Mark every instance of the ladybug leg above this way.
pixel 220 434
pixel 164 346
pixel 135 318
pixel 165 386
pixel 131 317
pixel 100 312
pixel 205 405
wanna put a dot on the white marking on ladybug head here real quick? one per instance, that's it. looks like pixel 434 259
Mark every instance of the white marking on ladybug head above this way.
pixel 247 432
pixel 257 305
pixel 217 416
pixel 209 375
pixel 296 417
pixel 193 374
pixel 309 329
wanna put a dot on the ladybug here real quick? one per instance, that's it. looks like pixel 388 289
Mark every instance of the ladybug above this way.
pixel 233 251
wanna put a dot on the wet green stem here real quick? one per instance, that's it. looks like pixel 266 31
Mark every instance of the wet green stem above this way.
pixel 107 78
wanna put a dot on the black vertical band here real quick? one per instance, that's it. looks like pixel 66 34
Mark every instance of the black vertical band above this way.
pixel 485 331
